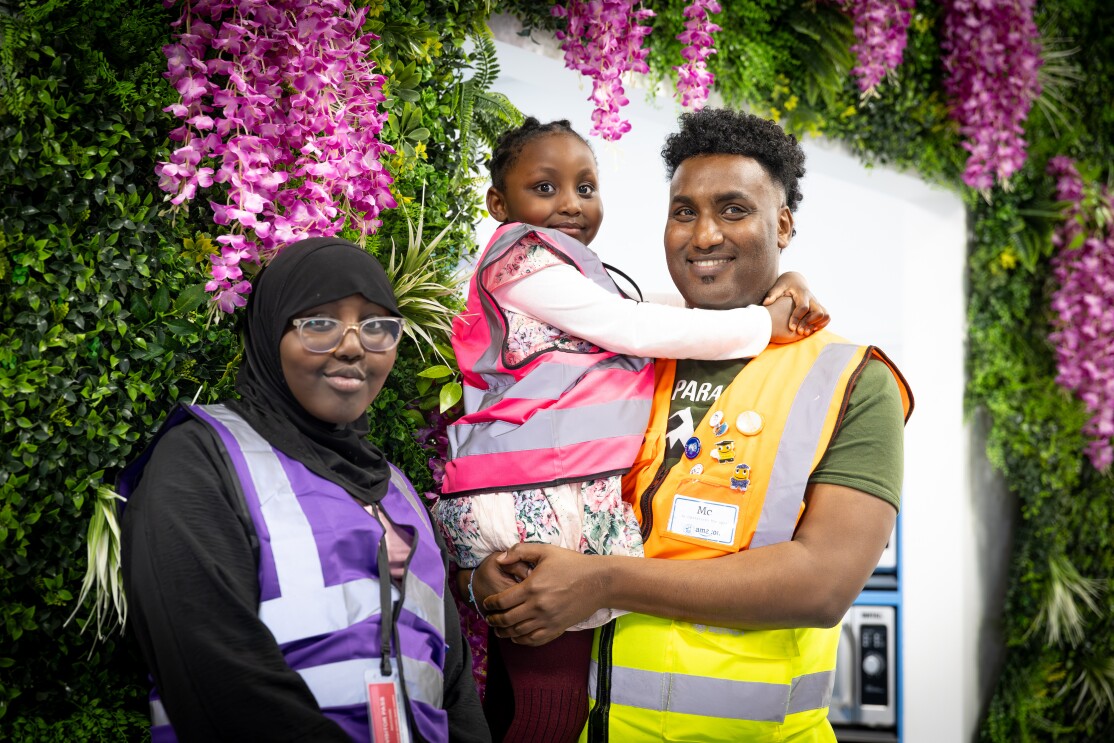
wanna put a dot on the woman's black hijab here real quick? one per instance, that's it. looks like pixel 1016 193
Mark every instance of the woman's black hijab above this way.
pixel 304 275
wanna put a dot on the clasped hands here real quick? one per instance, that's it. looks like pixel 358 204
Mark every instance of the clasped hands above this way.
pixel 532 593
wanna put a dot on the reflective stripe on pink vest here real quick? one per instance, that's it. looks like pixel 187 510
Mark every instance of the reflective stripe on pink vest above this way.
pixel 319 580
pixel 562 416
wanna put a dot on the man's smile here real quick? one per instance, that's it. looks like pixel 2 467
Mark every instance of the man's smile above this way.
pixel 709 266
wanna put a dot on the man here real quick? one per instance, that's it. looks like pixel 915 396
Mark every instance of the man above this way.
pixel 770 487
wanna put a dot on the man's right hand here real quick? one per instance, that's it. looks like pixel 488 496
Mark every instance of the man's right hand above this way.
pixel 564 587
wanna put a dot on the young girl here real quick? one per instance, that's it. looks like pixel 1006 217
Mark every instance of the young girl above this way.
pixel 558 376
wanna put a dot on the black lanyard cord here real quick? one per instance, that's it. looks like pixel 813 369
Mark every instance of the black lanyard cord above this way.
pixel 386 609
pixel 609 267
pixel 389 611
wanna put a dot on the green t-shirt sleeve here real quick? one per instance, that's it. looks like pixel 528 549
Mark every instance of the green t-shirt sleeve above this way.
pixel 868 451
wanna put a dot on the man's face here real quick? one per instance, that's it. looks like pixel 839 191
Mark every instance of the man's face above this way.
pixel 727 226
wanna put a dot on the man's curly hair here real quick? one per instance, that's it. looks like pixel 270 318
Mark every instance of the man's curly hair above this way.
pixel 725 132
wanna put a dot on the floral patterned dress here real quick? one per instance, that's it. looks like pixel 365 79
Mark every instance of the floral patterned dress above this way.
pixel 589 517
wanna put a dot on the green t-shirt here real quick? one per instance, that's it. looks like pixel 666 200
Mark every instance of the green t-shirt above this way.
pixel 867 452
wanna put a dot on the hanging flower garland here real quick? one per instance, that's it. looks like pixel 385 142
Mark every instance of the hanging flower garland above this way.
pixel 693 77
pixel 1084 335
pixel 281 105
pixel 603 40
pixel 881 32
pixel 992 55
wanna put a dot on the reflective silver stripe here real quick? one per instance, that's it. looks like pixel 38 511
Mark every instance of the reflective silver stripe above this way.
pixel 546 382
pixel 711 697
pixel 801 436
pixel 158 714
pixel 331 608
pixel 698 695
pixel 811 691
pixel 424 682
pixel 551 428
pixel 422 599
pixel 424 602
pixel 342 683
pixel 297 564
pixel 403 485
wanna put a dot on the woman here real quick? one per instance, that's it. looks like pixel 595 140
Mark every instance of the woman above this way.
pixel 264 539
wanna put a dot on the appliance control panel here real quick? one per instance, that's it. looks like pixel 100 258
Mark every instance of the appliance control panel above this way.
pixel 864 694
pixel 873 642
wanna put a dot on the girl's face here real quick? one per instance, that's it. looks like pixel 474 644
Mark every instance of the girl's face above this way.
pixel 338 386
pixel 552 183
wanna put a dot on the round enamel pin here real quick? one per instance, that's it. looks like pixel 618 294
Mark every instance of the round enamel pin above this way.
pixel 697 469
pixel 716 419
pixel 749 423
pixel 692 448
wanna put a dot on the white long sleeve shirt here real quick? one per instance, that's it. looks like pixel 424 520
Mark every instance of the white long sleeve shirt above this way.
pixel 563 297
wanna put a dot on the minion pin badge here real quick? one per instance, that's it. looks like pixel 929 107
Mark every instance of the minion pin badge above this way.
pixel 724 452
pixel 741 479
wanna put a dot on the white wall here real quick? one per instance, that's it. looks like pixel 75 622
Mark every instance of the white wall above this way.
pixel 886 253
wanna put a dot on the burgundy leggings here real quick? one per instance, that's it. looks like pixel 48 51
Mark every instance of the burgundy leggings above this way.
pixel 538 695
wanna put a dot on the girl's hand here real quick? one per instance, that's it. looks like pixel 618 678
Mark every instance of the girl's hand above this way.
pixel 781 313
pixel 490 578
pixel 808 314
pixel 564 587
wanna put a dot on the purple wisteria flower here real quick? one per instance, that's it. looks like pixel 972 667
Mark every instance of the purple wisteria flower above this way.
pixel 881 32
pixel 693 77
pixel 992 56
pixel 1084 303
pixel 279 104
pixel 603 40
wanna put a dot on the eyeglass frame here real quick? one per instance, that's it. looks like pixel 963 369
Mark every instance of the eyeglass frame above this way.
pixel 298 322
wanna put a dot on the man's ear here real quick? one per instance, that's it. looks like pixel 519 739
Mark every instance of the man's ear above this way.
pixel 496 204
pixel 784 227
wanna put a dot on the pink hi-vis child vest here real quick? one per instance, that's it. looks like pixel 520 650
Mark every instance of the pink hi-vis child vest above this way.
pixel 558 416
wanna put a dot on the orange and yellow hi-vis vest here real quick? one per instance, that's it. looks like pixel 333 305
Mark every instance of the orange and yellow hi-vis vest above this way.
pixel 665 680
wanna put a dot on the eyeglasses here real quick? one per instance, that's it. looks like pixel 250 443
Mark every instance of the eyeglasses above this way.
pixel 325 334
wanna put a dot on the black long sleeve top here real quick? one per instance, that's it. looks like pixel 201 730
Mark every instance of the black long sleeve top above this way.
pixel 190 563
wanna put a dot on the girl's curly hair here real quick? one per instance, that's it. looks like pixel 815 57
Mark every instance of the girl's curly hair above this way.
pixel 511 143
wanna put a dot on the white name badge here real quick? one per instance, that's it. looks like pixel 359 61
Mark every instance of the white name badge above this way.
pixel 704 519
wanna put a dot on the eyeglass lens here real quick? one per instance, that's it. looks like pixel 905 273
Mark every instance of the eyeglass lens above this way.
pixel 324 334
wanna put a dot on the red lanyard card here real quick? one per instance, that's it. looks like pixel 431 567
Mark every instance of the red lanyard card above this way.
pixel 384 706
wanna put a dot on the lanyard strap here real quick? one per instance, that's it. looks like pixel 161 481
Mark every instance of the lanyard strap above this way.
pixel 386 614
pixel 388 611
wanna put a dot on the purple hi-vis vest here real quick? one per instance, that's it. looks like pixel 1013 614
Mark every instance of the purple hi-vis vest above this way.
pixel 319 580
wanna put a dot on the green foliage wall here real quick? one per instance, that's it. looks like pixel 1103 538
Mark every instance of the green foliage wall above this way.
pixel 102 328
pixel 86 363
